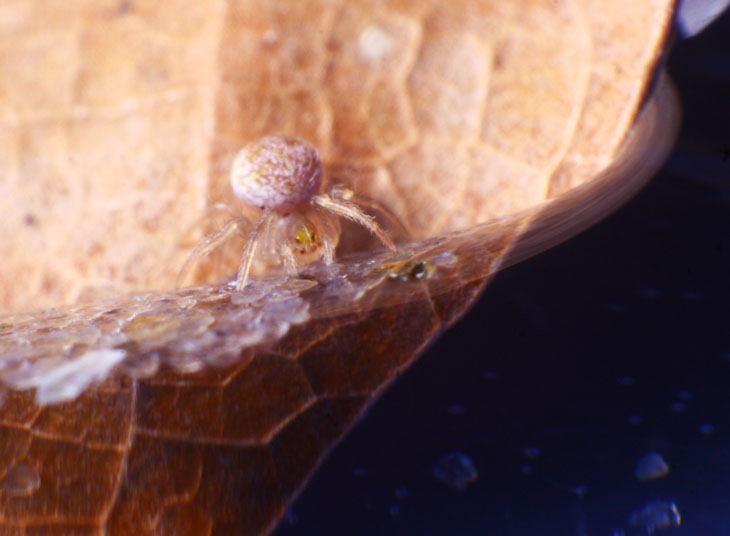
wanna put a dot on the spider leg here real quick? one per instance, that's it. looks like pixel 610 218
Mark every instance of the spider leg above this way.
pixel 351 211
pixel 330 232
pixel 261 228
pixel 208 244
pixel 208 213
pixel 290 261
pixel 342 192
pixel 329 251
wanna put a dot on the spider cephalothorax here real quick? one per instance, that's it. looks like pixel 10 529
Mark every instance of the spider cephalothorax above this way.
pixel 282 176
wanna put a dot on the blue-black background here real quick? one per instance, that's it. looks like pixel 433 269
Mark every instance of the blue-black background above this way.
pixel 570 367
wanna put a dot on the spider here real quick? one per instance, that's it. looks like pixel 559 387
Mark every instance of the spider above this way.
pixel 282 177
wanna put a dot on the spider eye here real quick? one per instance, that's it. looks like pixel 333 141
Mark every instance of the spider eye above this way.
pixel 305 236
pixel 306 240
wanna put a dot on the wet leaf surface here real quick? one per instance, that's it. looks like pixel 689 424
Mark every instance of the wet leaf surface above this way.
pixel 485 128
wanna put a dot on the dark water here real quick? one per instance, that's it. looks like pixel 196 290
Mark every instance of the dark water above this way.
pixel 572 366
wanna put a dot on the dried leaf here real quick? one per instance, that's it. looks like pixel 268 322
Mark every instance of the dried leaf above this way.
pixel 484 126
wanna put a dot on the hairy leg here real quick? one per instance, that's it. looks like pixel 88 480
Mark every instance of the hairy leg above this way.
pixel 208 244
pixel 342 192
pixel 290 262
pixel 351 211
pixel 207 216
pixel 329 231
pixel 261 228
pixel 328 255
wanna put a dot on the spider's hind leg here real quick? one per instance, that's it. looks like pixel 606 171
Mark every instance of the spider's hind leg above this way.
pixel 208 244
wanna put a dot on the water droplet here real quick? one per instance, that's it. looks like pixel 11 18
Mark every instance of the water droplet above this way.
pixel 456 469
pixel 401 493
pixel 186 363
pixel 394 510
pixel 445 260
pixel 656 515
pixel 358 471
pixel 650 467
pixel 635 419
pixel 531 452
pixel 142 365
pixel 707 428
pixel 21 480
pixel 684 395
pixel 59 379
pixel 678 407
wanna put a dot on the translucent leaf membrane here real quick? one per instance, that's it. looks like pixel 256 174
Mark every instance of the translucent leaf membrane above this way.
pixel 206 410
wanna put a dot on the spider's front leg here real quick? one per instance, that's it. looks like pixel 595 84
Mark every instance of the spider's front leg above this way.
pixel 262 228
pixel 351 211
pixel 367 203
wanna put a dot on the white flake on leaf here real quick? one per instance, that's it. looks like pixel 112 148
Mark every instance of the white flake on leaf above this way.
pixel 374 43
pixel 58 380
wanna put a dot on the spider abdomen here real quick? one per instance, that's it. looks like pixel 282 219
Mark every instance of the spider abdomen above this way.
pixel 277 172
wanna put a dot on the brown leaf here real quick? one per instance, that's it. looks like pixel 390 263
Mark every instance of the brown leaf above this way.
pixel 206 409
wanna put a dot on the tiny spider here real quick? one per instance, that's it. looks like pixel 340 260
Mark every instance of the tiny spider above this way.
pixel 282 177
